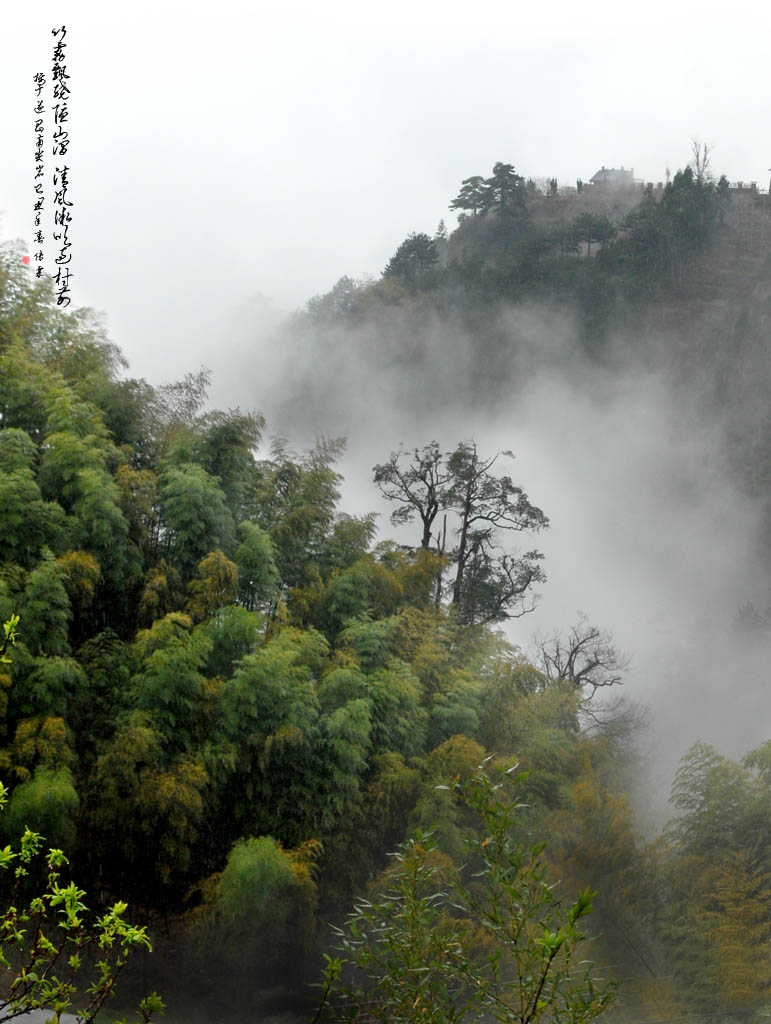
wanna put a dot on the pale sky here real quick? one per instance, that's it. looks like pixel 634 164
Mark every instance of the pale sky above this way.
pixel 235 162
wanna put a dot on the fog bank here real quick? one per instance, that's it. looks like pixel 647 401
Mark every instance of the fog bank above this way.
pixel 650 536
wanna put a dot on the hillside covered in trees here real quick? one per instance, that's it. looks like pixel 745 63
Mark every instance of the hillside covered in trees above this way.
pixel 230 700
pixel 605 280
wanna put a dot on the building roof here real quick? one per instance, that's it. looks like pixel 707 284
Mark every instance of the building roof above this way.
pixel 613 176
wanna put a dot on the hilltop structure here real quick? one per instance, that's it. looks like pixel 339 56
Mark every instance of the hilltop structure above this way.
pixel 613 176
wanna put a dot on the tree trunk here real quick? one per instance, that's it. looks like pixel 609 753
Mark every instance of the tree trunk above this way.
pixel 440 549
pixel 457 589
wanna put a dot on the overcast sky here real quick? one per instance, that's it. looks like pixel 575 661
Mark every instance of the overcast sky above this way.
pixel 231 164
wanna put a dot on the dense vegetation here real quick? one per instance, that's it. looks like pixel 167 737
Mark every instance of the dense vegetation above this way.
pixel 514 240
pixel 228 703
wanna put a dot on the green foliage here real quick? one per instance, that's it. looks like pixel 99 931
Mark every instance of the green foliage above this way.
pixel 255 560
pixel 213 587
pixel 510 681
pixel 365 589
pixel 137 496
pixel 31 523
pixel 705 783
pixel 398 720
pixel 50 801
pixel 347 542
pixel 82 574
pixel 102 529
pixel 17 450
pixel 250 891
pixel 66 456
pixel 45 608
pixel 437 811
pixel 594 842
pixel 43 742
pixel 213 657
pixel 168 684
pixel 374 825
pixel 153 796
pixel 489 587
pixel 45 938
pixel 734 921
pixel 493 941
pixel 708 897
pixel 24 386
pixel 196 515
pixel 162 593
pixel 335 304
pixel 225 449
pixel 9 638
pixel 662 239
pixel 229 635
pixel 50 929
pixel 263 903
pixel 413 259
pixel 472 196
pixel 505 189
pixel 371 642
pixel 592 228
pixel 104 659
pixel 269 720
pixel 454 711
pixel 50 687
pixel 296 498
pixel 505 192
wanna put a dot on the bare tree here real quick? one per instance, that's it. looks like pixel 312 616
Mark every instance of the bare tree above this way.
pixel 700 153
pixel 587 658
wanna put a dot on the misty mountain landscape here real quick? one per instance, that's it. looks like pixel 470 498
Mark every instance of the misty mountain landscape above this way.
pixel 504 503
pixel 386 522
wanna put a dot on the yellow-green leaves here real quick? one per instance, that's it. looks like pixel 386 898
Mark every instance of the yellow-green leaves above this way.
pixel 9 638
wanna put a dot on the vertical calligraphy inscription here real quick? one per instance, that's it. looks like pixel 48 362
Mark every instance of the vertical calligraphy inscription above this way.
pixel 38 237
pixel 61 143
